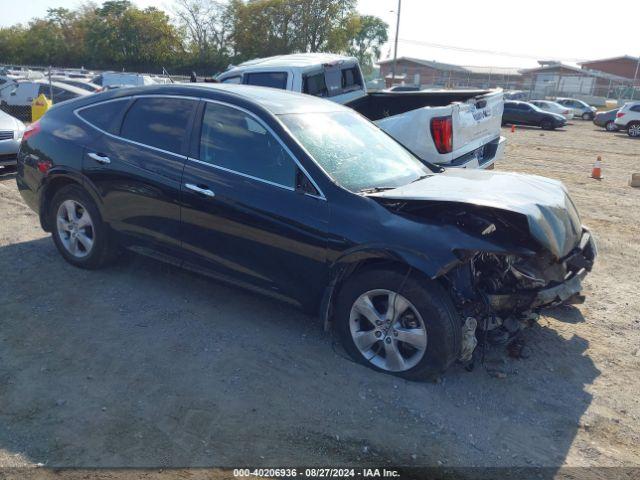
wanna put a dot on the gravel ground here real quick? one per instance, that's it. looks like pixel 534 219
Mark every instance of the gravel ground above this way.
pixel 145 365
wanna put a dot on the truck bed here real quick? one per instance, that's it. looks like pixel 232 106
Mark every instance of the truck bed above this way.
pixel 379 105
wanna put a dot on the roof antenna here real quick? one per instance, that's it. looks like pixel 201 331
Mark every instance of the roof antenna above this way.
pixel 166 74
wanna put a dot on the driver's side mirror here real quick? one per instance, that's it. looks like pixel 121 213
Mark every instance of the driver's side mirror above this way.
pixel 304 185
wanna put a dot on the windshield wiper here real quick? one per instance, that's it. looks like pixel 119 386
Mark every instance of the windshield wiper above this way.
pixel 375 189
pixel 421 177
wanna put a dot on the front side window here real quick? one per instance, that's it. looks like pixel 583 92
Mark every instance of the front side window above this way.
pixel 234 140
pixel 106 116
pixel 353 151
pixel 232 80
pixel 267 79
pixel 158 122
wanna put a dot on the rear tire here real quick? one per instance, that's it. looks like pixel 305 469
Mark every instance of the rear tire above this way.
pixel 610 126
pixel 547 125
pixel 422 311
pixel 633 129
pixel 78 231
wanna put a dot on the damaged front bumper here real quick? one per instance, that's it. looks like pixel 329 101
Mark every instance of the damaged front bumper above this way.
pixel 577 263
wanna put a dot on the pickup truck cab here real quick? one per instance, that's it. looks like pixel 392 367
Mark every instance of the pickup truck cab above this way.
pixel 451 128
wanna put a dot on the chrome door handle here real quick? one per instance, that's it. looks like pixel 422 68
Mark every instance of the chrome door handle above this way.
pixel 203 191
pixel 99 158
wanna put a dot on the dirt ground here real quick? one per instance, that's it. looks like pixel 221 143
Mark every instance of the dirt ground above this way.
pixel 145 365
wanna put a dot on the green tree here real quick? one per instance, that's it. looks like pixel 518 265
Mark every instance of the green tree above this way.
pixel 371 34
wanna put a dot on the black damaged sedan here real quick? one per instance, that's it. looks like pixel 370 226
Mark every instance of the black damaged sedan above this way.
pixel 305 200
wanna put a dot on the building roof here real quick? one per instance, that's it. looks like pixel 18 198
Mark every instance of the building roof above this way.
pixel 584 71
pixel 427 63
pixel 621 57
pixel 448 67
pixel 493 70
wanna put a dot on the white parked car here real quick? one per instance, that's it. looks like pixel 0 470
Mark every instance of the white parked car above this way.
pixel 11 131
pixel 17 98
pixel 553 107
pixel 121 79
pixel 451 128
pixel 76 82
pixel 628 118
pixel 580 109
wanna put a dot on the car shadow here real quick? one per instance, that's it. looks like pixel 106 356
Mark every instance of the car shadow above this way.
pixel 565 314
pixel 146 365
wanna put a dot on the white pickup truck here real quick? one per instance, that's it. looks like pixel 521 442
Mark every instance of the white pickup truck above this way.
pixel 452 128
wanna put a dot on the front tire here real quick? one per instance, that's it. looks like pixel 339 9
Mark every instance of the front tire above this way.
pixel 633 129
pixel 78 231
pixel 587 116
pixel 610 126
pixel 398 324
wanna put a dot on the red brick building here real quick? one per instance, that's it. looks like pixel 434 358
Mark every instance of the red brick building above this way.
pixel 624 66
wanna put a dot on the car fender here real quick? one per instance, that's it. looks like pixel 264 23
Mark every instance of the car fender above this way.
pixel 53 176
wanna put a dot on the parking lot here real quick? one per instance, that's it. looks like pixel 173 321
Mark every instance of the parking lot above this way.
pixel 146 365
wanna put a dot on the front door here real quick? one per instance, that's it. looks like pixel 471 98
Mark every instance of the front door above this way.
pixel 243 216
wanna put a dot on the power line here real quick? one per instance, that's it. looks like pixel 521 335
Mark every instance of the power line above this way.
pixel 489 52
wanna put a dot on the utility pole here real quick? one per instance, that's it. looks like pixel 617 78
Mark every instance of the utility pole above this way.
pixel 395 48
pixel 635 77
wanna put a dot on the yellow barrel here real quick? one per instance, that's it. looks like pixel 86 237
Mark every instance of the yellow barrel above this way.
pixel 39 107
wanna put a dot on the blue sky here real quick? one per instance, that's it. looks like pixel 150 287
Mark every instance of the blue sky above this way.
pixel 545 29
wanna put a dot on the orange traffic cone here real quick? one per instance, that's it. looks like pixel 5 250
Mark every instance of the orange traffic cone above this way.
pixel 513 128
pixel 596 171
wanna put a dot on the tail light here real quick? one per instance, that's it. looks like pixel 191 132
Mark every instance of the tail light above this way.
pixel 442 133
pixel 619 114
pixel 31 130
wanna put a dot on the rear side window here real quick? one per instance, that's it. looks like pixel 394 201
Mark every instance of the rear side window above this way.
pixel 315 85
pixel 158 122
pixel 105 116
pixel 635 108
pixel 267 79
pixel 351 79
pixel 234 140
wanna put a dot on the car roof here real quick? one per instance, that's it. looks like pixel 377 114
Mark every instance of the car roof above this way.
pixel 296 60
pixel 274 100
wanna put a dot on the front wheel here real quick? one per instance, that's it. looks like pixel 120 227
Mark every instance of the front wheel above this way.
pixel 633 130
pixel 587 116
pixel 610 126
pixel 398 324
pixel 78 230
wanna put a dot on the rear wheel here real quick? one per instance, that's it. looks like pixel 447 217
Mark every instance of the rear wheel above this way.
pixel 398 324
pixel 633 129
pixel 77 229
pixel 610 126
pixel 547 124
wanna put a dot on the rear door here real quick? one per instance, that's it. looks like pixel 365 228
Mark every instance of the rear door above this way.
pixel 136 166
pixel 243 217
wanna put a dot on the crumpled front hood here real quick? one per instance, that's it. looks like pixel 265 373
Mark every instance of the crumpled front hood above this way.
pixel 551 215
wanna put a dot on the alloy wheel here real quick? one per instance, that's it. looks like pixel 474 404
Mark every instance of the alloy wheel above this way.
pixel 388 330
pixel 75 228
pixel 634 130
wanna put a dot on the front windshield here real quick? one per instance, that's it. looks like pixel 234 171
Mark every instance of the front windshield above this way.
pixel 353 151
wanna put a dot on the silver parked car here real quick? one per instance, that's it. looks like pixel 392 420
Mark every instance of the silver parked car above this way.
pixel 11 131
